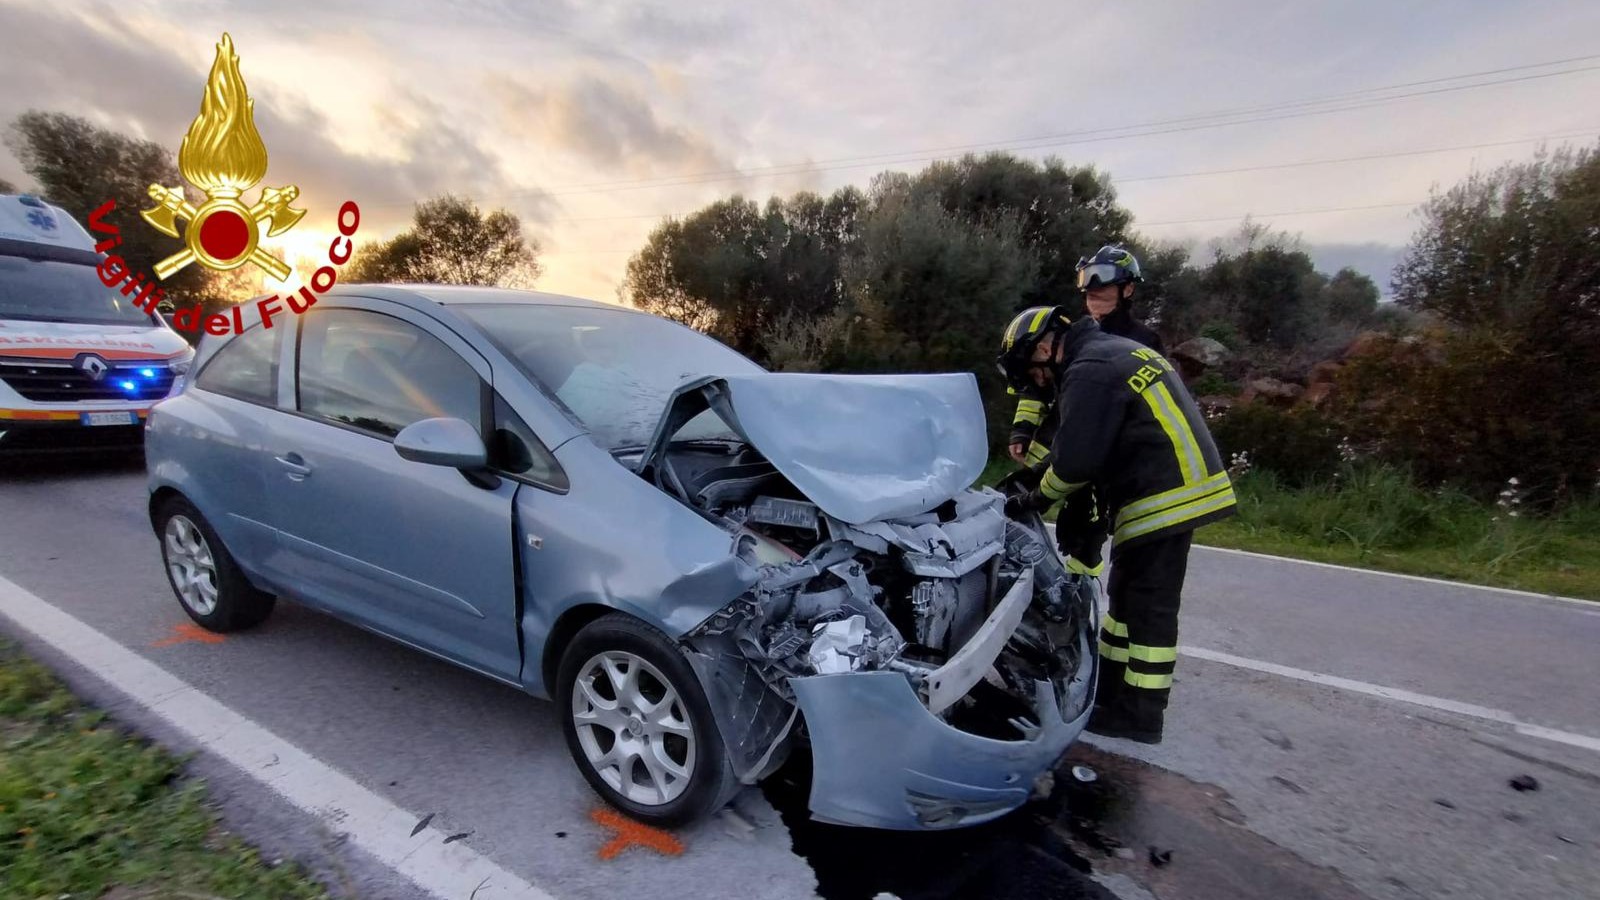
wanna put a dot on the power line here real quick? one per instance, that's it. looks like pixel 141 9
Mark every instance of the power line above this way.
pixel 1103 136
pixel 1210 172
pixel 1239 116
pixel 1288 212
pixel 1039 142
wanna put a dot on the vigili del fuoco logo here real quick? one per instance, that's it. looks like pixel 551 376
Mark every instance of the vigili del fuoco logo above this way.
pixel 222 156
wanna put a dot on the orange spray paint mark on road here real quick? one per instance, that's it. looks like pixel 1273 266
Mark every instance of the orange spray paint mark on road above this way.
pixel 633 834
pixel 188 632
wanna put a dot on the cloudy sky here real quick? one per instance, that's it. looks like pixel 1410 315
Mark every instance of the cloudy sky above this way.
pixel 591 121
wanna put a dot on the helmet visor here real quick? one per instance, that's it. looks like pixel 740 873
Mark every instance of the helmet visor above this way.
pixel 1096 274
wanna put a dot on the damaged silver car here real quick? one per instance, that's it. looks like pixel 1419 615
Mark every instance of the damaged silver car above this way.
pixel 705 565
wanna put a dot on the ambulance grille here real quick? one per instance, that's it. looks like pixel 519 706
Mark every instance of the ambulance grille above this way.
pixel 49 381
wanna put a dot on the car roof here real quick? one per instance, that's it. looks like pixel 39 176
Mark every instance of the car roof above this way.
pixel 458 294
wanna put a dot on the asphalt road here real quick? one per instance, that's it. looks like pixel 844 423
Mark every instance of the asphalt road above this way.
pixel 1333 734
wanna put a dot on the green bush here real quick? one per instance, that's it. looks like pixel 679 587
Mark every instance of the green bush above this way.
pixel 1381 516
pixel 1223 333
pixel 1298 446
pixel 1213 384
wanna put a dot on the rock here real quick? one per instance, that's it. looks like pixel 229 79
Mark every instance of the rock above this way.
pixel 1206 352
pixel 1366 343
pixel 1317 394
pixel 1323 373
pixel 1271 390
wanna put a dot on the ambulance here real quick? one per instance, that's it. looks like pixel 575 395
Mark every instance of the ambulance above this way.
pixel 80 366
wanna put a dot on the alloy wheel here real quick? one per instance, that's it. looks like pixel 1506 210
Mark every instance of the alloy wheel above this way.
pixel 632 727
pixel 191 564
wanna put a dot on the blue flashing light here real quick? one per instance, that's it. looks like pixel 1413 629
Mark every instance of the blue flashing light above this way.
pixel 148 373
pixel 129 386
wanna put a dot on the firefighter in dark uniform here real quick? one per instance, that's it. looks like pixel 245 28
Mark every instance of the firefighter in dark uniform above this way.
pixel 1128 426
pixel 1108 297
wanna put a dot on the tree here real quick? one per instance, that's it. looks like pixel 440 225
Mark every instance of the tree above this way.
pixel 7 187
pixel 1062 213
pixel 1350 296
pixel 733 269
pixel 78 166
pixel 1513 247
pixel 1264 285
pixel 930 292
pixel 452 242
pixel 1508 261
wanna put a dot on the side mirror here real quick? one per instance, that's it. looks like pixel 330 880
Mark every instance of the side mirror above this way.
pixel 442 442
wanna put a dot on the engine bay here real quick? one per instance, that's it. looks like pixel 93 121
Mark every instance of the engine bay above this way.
pixel 973 609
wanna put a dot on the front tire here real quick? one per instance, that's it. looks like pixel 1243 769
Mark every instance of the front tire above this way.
pixel 638 725
pixel 207 582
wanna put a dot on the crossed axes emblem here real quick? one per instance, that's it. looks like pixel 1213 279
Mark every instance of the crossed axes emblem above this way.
pixel 234 232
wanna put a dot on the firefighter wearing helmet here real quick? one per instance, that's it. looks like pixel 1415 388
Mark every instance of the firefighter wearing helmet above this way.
pixel 1127 441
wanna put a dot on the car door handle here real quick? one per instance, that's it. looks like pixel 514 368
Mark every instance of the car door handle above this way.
pixel 296 466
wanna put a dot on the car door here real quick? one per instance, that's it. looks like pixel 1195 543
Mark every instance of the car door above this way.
pixel 419 552
pixel 235 395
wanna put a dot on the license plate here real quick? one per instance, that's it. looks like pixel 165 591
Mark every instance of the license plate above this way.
pixel 109 418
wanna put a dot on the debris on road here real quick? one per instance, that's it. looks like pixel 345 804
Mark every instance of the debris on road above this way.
pixel 422 824
pixel 1444 803
pixel 1159 858
pixel 1525 783
pixel 1288 785
pixel 1084 774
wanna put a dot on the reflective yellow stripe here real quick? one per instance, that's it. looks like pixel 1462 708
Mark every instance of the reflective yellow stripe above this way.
pixel 1204 506
pixel 1074 566
pixel 1029 411
pixel 1190 461
pixel 1113 627
pixel 1115 654
pixel 1153 654
pixel 1054 488
pixel 1145 680
pixel 1037 452
pixel 1167 499
pixel 1038 318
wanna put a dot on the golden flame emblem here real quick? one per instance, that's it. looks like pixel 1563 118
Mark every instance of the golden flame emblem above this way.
pixel 223 156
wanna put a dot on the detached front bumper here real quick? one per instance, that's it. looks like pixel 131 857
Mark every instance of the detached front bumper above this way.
pixel 881 759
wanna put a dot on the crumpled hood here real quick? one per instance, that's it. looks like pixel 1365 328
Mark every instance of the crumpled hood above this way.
pixel 861 447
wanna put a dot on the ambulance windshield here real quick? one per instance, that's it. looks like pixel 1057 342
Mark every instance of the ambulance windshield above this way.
pixel 43 290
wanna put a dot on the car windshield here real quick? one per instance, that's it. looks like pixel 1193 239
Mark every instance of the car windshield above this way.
pixel 52 291
pixel 614 369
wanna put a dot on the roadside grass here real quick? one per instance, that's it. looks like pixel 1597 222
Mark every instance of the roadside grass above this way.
pixel 86 809
pixel 1377 517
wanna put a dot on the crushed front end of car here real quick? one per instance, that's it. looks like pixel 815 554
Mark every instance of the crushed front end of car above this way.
pixel 937 656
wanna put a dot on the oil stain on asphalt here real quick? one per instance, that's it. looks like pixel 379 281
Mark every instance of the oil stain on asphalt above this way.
pixel 1173 837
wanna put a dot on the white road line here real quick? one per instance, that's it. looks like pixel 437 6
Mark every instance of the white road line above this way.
pixel 448 871
pixel 1589 605
pixel 1592 605
pixel 1471 710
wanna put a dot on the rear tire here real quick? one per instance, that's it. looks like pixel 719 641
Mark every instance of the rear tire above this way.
pixel 207 582
pixel 638 724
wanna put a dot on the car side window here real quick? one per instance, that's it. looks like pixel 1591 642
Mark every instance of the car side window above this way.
pixel 246 368
pixel 379 374
pixel 516 450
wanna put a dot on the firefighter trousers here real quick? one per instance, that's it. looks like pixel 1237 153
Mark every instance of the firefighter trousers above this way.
pixel 1139 633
